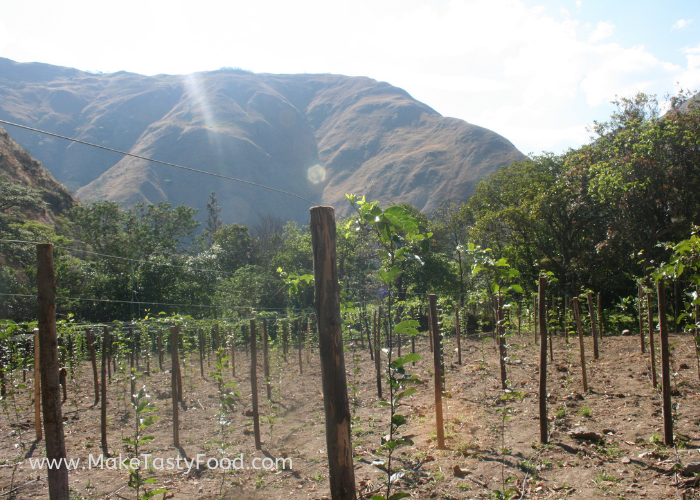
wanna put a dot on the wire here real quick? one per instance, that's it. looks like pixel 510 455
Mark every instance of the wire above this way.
pixel 159 161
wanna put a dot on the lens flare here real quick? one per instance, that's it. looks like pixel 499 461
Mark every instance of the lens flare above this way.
pixel 316 174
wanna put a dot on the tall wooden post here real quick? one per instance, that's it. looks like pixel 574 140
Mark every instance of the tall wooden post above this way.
pixel 254 383
pixel 50 385
pixel 266 359
pixel 577 315
pixel 542 313
pixel 652 349
pixel 665 366
pixel 459 339
pixel 594 326
pixel 37 386
pixel 174 334
pixel 103 390
pixel 437 368
pixel 335 391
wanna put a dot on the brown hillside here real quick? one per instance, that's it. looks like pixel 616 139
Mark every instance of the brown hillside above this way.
pixel 21 168
pixel 319 136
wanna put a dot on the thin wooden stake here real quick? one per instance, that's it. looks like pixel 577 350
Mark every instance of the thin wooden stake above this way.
pixel 437 368
pixel 266 360
pixel 377 350
pixel 536 311
pixel 50 386
pixel 542 313
pixel 308 341
pixel 577 316
pixel 174 333
pixel 37 385
pixel 254 384
pixel 459 338
pixel 103 387
pixel 665 366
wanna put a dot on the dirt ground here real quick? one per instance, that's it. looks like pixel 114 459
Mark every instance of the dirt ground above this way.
pixel 482 452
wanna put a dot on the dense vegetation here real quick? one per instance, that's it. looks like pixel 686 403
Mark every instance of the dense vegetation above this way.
pixel 598 217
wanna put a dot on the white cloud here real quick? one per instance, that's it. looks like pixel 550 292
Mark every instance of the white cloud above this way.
pixel 681 24
pixel 578 3
pixel 602 31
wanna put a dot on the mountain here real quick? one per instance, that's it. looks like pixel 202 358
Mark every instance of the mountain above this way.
pixel 318 136
pixel 18 167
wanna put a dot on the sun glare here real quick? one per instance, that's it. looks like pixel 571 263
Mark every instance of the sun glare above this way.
pixel 316 174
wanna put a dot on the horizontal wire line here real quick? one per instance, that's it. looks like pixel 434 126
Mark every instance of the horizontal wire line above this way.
pixel 159 161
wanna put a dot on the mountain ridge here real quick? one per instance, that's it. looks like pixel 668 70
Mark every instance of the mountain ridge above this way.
pixel 319 136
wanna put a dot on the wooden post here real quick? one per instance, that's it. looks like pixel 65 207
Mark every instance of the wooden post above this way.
pixel 437 369
pixel 652 350
pixel 254 384
pixel 665 366
pixel 37 385
pixel 335 391
pixel 93 360
pixel 459 339
pixel 641 319
pixel 377 350
pixel 600 318
pixel 594 328
pixel 266 359
pixel 50 385
pixel 160 349
pixel 542 313
pixel 577 316
pixel 103 409
pixel 174 333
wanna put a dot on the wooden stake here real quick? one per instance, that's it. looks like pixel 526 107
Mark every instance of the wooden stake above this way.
pixel 594 328
pixel 335 391
pixel 160 349
pixel 266 360
pixel 542 313
pixel 437 368
pixel 50 386
pixel 577 316
pixel 641 319
pixel 665 366
pixel 93 359
pixel 254 384
pixel 174 333
pixel 103 409
pixel 201 352
pixel 459 339
pixel 37 385
pixel 377 350
pixel 652 349
pixel 536 311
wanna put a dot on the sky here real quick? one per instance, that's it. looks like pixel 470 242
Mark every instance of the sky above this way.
pixel 538 72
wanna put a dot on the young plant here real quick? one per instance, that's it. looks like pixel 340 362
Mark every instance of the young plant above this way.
pixel 137 481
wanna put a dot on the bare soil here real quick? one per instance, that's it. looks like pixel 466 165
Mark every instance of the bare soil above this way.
pixel 482 452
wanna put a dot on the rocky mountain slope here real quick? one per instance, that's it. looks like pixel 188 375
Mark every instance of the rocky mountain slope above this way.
pixel 18 167
pixel 319 136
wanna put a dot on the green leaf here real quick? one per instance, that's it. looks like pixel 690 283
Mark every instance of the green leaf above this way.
pixel 398 495
pixel 403 394
pixel 516 288
pixel 404 326
pixel 398 420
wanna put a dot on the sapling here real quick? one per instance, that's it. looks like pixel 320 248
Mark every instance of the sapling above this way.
pixel 227 398
pixel 137 481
